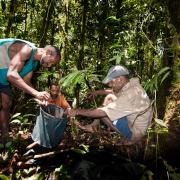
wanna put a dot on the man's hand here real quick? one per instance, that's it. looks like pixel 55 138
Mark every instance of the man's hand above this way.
pixel 91 94
pixel 42 96
pixel 71 112
pixel 42 103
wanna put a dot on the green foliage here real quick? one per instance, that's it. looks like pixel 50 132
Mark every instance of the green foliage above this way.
pixel 133 33
pixel 153 84
pixel 41 176
pixel 161 123
pixel 127 32
pixel 84 149
pixel 171 171
pixel 62 173
pixel 4 177
pixel 10 147
pixel 21 120
pixel 78 77
pixel 148 175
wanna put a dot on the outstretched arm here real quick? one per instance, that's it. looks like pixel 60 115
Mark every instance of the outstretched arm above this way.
pixel 104 91
pixel 93 113
pixel 17 63
pixel 100 92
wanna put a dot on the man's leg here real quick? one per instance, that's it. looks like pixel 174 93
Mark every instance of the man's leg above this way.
pixel 109 124
pixel 4 114
pixel 93 127
pixel 121 126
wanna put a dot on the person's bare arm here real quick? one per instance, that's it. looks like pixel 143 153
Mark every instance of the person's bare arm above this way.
pixel 17 63
pixel 100 92
pixel 93 113
pixel 27 78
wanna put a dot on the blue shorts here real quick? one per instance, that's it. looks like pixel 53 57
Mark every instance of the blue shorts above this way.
pixel 5 89
pixel 122 126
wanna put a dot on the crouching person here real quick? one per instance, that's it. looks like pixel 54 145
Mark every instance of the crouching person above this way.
pixel 128 110
pixel 56 98
pixel 51 122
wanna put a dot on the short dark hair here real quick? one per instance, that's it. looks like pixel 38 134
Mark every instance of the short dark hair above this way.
pixel 53 83
pixel 55 50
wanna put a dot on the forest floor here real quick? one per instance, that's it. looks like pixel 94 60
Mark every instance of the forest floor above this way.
pixel 98 155
pixel 158 152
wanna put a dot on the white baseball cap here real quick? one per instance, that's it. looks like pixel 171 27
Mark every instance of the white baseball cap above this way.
pixel 115 72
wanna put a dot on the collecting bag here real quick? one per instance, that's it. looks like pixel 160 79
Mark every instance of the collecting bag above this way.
pixel 50 126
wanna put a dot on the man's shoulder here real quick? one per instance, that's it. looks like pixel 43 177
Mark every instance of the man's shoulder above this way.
pixel 134 83
pixel 25 43
pixel 132 88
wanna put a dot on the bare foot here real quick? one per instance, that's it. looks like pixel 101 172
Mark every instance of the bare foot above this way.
pixel 86 128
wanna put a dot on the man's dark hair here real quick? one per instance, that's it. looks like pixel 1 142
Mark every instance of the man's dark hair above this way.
pixel 54 49
pixel 53 83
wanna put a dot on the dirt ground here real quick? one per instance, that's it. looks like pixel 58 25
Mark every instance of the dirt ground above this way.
pixel 158 151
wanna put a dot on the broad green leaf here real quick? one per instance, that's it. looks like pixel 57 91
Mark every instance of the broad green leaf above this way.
pixel 70 78
pixel 3 177
pixel 16 115
pixel 160 122
pixel 25 120
pixel 163 70
pixel 86 147
pixel 40 176
pixel 164 77
pixel 112 59
pixel 8 144
pixel 113 18
pixel 156 82
pixel 59 169
pixel 16 121
pixel 118 59
pixel 79 151
pixel 29 115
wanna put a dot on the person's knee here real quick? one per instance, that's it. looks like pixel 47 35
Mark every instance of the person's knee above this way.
pixel 108 99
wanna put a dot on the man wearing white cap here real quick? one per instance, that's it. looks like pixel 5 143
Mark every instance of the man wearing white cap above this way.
pixel 129 112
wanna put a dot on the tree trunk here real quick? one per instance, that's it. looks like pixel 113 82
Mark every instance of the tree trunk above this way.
pixel 82 38
pixel 81 51
pixel 10 17
pixel 46 22
pixel 169 57
pixel 25 26
pixel 174 9
pixel 102 33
